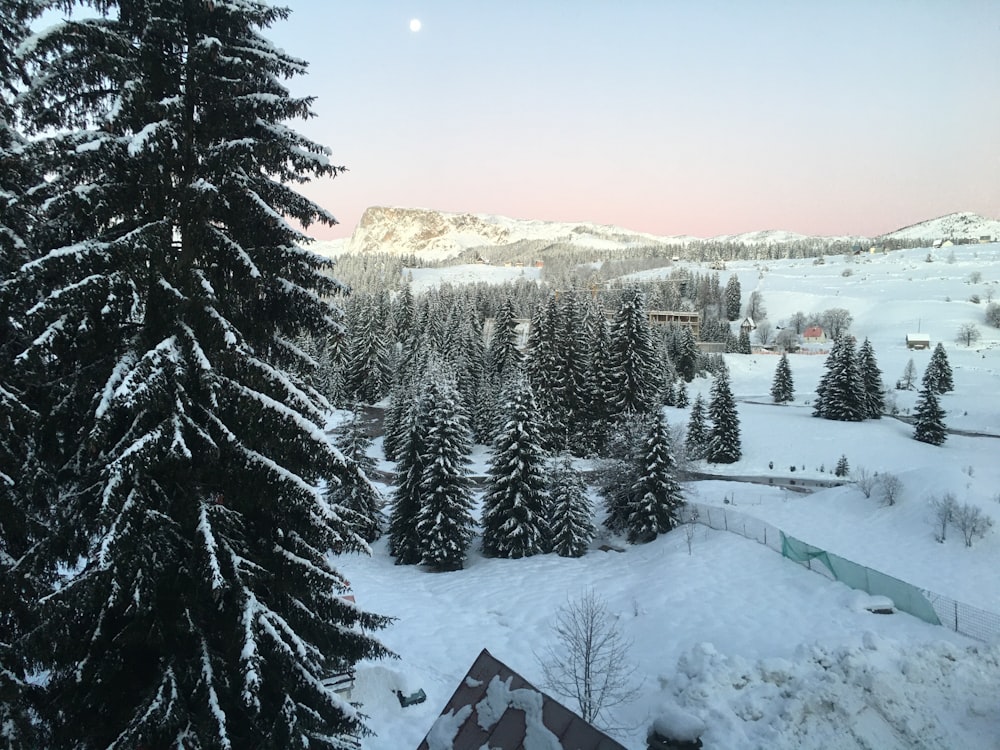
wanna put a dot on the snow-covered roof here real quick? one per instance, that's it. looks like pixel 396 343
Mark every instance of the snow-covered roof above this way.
pixel 497 708
pixel 918 337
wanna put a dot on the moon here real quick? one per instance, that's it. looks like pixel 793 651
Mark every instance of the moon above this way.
pixel 415 24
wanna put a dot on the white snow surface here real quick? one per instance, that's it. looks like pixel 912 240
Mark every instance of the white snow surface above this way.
pixel 731 641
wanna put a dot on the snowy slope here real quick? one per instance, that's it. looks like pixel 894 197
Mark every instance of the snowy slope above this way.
pixel 752 650
pixel 957 226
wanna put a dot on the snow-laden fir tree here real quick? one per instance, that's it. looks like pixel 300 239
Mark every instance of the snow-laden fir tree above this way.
pixel 743 342
pixel 504 356
pixel 368 355
pixel 515 517
pixel 618 476
pixel 733 298
pixel 356 494
pixel 872 389
pixel 407 497
pixel 682 398
pixel 656 496
pixel 444 521
pixel 572 383
pixel 929 426
pixel 205 610
pixel 724 446
pixel 542 367
pixel 782 387
pixel 572 522
pixel 842 469
pixel 696 440
pixel 938 376
pixel 635 375
pixel 598 334
pixel 839 393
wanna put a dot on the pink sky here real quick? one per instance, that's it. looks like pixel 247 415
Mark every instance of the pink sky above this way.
pixel 699 118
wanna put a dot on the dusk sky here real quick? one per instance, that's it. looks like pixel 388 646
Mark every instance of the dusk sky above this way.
pixel 661 116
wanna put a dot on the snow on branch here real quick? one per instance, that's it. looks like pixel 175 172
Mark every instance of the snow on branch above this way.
pixel 211 548
pixel 213 699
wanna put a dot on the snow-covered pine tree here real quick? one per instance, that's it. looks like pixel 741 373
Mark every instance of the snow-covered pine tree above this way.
pixel 682 399
pixel 743 342
pixel 938 376
pixel 724 436
pixel 839 393
pixel 404 539
pixel 733 298
pixel 598 335
pixel 696 441
pixel 687 355
pixel 18 423
pixel 541 365
pixel 656 496
pixel 635 377
pixel 444 521
pixel 505 359
pixel 515 517
pixel 572 381
pixel 205 611
pixel 355 493
pixel 842 469
pixel 782 387
pixel 872 389
pixel 572 521
pixel 619 475
pixel 929 426
pixel 368 353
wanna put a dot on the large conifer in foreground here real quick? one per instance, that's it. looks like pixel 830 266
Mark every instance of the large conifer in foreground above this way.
pixel 724 436
pixel 872 389
pixel 839 395
pixel 516 502
pixel 937 375
pixel 205 611
pixel 635 375
pixel 656 497
pixel 782 388
pixel 572 515
pixel 444 521
pixel 928 422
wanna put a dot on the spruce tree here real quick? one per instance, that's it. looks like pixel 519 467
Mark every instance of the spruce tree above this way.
pixel 909 378
pixel 929 424
pixel 505 359
pixel 842 469
pixel 938 376
pixel 839 393
pixel 782 387
pixel 354 492
pixel 404 539
pixel 724 437
pixel 743 343
pixel 733 300
pixel 656 497
pixel 872 390
pixel 635 376
pixel 206 611
pixel 696 442
pixel 619 476
pixel 444 521
pixel 368 356
pixel 516 503
pixel 572 524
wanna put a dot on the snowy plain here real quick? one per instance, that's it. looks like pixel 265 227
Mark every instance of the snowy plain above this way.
pixel 730 640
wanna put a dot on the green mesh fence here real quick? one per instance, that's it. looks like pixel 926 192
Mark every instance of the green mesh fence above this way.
pixel 906 597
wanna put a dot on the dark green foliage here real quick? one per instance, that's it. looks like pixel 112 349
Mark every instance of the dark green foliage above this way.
pixel 516 503
pixel 355 492
pixel 840 390
pixel 504 357
pixel 696 442
pixel 572 524
pixel 656 497
pixel 929 426
pixel 682 399
pixel 635 378
pixel 743 343
pixel 872 390
pixel 733 300
pixel 724 445
pixel 782 387
pixel 404 539
pixel 444 521
pixel 368 359
pixel 842 469
pixel 173 403
pixel 620 473
pixel 938 376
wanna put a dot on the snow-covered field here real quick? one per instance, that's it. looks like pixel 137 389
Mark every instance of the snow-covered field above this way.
pixel 747 648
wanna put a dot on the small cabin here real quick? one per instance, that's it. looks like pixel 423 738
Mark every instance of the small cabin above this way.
pixel 918 341
pixel 748 326
pixel 814 335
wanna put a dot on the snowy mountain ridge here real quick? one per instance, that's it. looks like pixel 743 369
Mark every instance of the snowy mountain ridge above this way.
pixel 438 235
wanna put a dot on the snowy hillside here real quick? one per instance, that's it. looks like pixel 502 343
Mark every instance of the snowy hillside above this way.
pixel 958 226
pixel 439 235
pixel 730 640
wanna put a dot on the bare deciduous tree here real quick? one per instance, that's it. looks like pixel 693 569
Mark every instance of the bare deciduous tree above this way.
pixel 589 661
pixel 865 480
pixel 972 522
pixel 944 512
pixel 890 487
pixel 836 322
pixel 755 306
pixel 764 331
pixel 968 334
pixel 787 339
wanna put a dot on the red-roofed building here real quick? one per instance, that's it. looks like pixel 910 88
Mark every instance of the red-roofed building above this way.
pixel 814 335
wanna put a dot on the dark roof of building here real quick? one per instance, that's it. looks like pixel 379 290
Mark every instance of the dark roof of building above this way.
pixel 497 708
